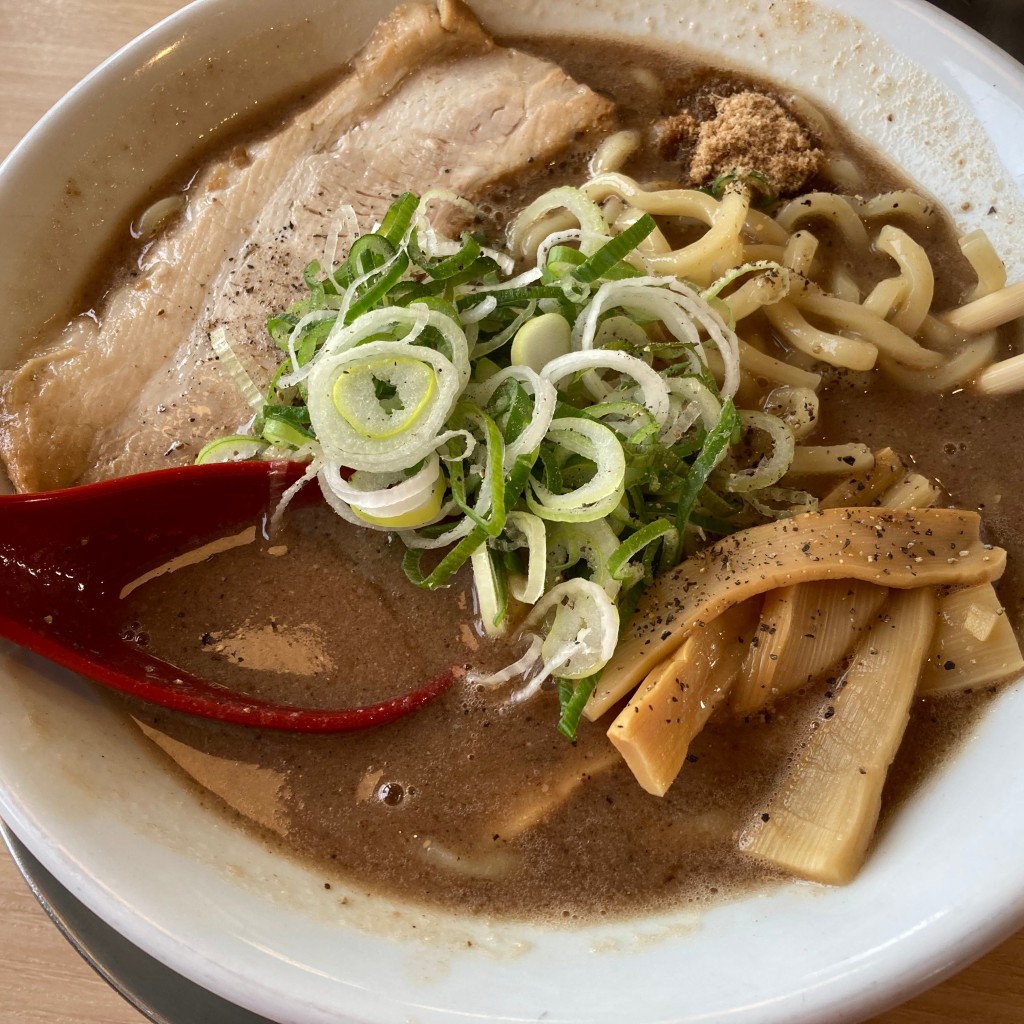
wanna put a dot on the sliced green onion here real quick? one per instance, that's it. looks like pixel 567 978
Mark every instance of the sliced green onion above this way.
pixel 566 479
pixel 491 590
pixel 239 375
pixel 399 218
pixel 368 253
pixel 523 427
pixel 593 542
pixel 596 443
pixel 540 340
pixel 452 266
pixel 389 494
pixel 770 469
pixel 682 313
pixel 561 259
pixel 614 251
pixel 586 212
pixel 412 563
pixel 717 444
pixel 492 488
pixel 512 296
pixel 790 502
pixel 357 394
pixel 618 563
pixel 519 669
pixel 755 181
pixel 652 384
pixel 417 515
pixel 354 432
pixel 374 294
pixel 573 695
pixel 236 448
pixel 582 635
pixel 450 564
pixel 717 287
pixel 284 434
pixel 533 532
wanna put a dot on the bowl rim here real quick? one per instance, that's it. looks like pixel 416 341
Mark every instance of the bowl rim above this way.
pixel 974 928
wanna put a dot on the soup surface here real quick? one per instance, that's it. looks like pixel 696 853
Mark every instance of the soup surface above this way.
pixel 471 803
pixel 477 803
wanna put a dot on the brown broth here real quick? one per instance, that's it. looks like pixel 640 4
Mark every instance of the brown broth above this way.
pixel 432 808
pixel 319 615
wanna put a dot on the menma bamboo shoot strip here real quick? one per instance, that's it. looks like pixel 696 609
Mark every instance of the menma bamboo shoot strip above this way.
pixel 820 822
pixel 861 489
pixel 804 632
pixel 654 731
pixel 883 546
pixel 974 643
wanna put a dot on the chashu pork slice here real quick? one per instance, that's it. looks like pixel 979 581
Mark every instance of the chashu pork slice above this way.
pixel 431 101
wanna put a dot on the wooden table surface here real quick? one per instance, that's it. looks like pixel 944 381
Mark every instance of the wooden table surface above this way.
pixel 45 47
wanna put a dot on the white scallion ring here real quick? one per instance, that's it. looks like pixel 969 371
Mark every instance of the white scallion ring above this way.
pixel 582 636
pixel 350 433
pixel 770 469
pixel 653 386
pixel 602 492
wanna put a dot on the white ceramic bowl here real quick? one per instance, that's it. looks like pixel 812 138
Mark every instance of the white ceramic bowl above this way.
pixel 130 839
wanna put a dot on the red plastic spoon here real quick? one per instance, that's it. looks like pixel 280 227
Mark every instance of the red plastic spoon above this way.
pixel 66 555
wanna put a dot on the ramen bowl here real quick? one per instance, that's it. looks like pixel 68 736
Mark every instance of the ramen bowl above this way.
pixel 137 843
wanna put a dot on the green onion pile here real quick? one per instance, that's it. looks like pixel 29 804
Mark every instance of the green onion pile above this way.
pixel 560 428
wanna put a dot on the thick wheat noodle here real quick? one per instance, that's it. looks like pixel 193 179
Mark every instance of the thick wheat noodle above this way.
pixel 715 251
pixel 613 153
pixel 901 203
pixel 680 202
pixel 759 291
pixel 985 261
pixel 157 216
pixel 761 228
pixel 762 365
pixel 718 249
pixel 916 270
pixel 764 252
pixel 941 337
pixel 885 296
pixel 957 370
pixel 844 173
pixel 843 286
pixel 831 459
pixel 991 311
pixel 846 353
pixel 887 323
pixel 800 251
pixel 556 220
pixel 884 546
pixel 1004 378
pixel 655 244
pixel 614 207
pixel 831 207
pixel 884 324
pixel 812 116
pixel 799 407
pixel 884 336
